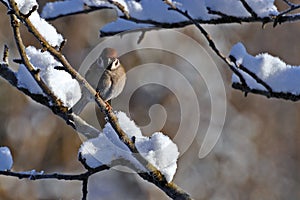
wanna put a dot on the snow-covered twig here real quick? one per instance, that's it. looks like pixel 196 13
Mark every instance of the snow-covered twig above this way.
pixel 265 74
pixel 208 38
pixel 251 74
pixel 151 22
pixel 73 120
pixel 35 73
pixel 120 7
pixel 85 10
pixel 243 86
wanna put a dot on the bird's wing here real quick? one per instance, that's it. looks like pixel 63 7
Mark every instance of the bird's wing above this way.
pixel 93 75
pixel 104 85
pixel 83 101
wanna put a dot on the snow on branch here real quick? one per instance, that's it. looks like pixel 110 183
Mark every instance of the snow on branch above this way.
pixel 60 82
pixel 243 73
pixel 30 88
pixel 265 74
pixel 133 14
pixel 28 9
pixel 159 150
pixel 6 160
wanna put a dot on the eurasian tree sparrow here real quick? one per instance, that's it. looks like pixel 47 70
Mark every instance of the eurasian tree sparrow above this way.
pixel 106 75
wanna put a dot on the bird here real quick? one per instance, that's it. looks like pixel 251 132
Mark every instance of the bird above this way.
pixel 107 75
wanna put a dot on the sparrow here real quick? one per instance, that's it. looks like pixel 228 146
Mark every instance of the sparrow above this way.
pixel 107 75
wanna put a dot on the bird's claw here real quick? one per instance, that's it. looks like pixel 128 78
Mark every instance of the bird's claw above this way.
pixel 108 106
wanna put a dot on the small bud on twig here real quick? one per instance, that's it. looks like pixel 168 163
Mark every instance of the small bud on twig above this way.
pixel 5 54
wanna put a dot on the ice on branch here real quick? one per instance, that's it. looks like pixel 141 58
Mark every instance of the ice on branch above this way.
pixel 60 82
pixel 158 149
pixel 262 8
pixel 273 71
pixel 6 160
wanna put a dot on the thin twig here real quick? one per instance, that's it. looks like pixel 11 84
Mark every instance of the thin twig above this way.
pixel 273 94
pixel 256 78
pixel 84 188
pixel 248 8
pixel 5 54
pixel 288 3
pixel 279 17
pixel 251 74
pixel 221 14
pixel 37 176
pixel 120 7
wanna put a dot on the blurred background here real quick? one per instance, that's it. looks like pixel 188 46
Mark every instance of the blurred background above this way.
pixel 256 157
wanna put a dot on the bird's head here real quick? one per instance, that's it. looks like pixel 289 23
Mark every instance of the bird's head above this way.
pixel 108 59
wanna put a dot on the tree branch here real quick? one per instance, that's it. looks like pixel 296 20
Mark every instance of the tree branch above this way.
pixel 280 16
pixel 72 119
pixel 243 85
pixel 120 7
pixel 273 94
pixel 209 40
pixel 251 74
pixel 35 74
pixel 154 175
pixel 223 19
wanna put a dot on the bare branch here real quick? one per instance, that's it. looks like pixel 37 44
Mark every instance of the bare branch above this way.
pixel 38 176
pixel 273 94
pixel 288 3
pixel 85 188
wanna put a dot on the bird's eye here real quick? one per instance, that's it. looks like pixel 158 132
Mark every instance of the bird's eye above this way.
pixel 115 64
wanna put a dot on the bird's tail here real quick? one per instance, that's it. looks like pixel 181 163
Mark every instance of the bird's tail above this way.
pixel 80 105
